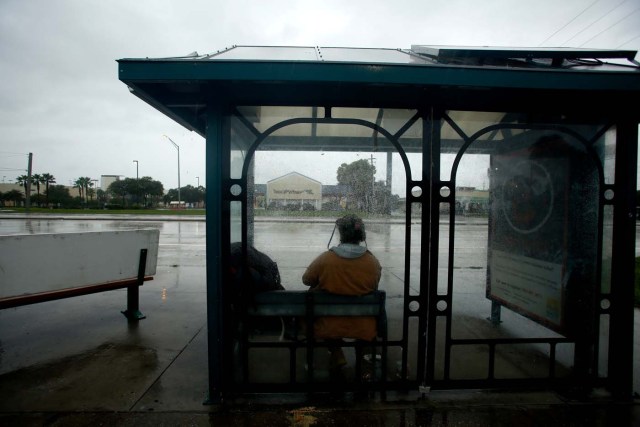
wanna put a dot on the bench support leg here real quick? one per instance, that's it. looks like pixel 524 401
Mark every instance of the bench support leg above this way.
pixel 133 292
pixel 496 308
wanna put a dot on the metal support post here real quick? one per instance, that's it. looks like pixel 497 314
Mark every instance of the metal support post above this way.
pixel 496 309
pixel 133 292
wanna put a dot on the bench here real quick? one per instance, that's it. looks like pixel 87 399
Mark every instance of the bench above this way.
pixel 44 267
pixel 310 305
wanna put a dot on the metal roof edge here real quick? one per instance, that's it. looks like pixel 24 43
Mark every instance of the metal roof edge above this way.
pixel 364 73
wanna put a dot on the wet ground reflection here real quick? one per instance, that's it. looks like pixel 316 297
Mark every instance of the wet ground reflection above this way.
pixel 182 261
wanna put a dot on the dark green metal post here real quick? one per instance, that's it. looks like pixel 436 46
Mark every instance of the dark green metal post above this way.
pixel 215 318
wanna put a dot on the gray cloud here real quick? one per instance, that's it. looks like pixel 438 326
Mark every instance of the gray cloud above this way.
pixel 61 98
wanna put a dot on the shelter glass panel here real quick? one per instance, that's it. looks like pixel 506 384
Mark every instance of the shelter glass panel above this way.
pixel 525 241
pixel 241 139
pixel 415 269
pixel 469 362
pixel 304 168
pixel 603 354
pixel 533 361
pixel 606 149
pixel 607 248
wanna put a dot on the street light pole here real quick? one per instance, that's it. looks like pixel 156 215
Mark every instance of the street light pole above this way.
pixel 177 148
pixel 137 183
pixel 95 185
pixel 198 178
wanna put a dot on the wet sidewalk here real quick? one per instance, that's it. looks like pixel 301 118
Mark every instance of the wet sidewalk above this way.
pixel 79 362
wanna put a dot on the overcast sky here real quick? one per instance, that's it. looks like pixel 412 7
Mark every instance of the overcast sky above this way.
pixel 62 101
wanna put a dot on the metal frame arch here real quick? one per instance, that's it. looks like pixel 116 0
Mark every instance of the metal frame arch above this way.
pixel 261 136
pixel 563 129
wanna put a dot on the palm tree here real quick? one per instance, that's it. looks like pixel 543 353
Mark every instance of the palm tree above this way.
pixel 83 183
pixel 47 179
pixel 24 181
pixel 36 178
pixel 79 184
pixel 87 183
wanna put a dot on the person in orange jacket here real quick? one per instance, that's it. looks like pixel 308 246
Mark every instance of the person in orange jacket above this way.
pixel 346 269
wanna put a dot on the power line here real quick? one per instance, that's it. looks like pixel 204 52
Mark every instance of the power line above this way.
pixel 597 20
pixel 565 25
pixel 628 41
pixel 611 26
pixel 8 154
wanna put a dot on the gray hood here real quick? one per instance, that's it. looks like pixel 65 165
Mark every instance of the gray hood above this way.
pixel 348 250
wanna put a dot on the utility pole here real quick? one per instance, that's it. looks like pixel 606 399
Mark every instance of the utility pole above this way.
pixel 28 195
pixel 389 169
pixel 373 184
pixel 95 186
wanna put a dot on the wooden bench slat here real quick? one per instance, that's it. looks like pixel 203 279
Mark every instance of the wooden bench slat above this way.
pixel 27 299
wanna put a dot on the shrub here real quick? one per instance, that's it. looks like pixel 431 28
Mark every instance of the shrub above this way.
pixel 331 206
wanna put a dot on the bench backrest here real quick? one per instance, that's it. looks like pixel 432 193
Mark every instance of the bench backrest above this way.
pixel 316 304
pixel 37 263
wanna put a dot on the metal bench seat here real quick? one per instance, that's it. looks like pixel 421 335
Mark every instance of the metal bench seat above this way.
pixel 310 305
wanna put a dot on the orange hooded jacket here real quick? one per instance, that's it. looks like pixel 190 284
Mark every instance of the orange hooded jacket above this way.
pixel 346 269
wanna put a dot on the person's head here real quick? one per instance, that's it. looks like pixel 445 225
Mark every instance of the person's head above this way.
pixel 351 229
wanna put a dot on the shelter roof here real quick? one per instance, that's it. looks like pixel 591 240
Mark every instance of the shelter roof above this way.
pixel 464 78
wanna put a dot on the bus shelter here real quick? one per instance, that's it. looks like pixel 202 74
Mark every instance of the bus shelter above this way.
pixel 502 208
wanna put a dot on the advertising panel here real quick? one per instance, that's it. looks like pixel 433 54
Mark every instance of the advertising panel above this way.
pixel 542 235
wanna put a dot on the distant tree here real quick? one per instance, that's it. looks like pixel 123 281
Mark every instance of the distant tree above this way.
pixel 383 200
pixel 24 181
pixel 36 179
pixel 48 179
pixel 82 184
pixel 86 182
pixel 119 189
pixel 150 189
pixel 147 188
pixel 14 196
pixel 188 194
pixel 203 194
pixel 172 194
pixel 101 195
pixel 358 176
pixel 79 184
pixel 59 195
pixel 37 199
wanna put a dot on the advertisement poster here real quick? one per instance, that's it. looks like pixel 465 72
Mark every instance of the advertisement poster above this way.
pixel 533 285
pixel 542 232
pixel 528 235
